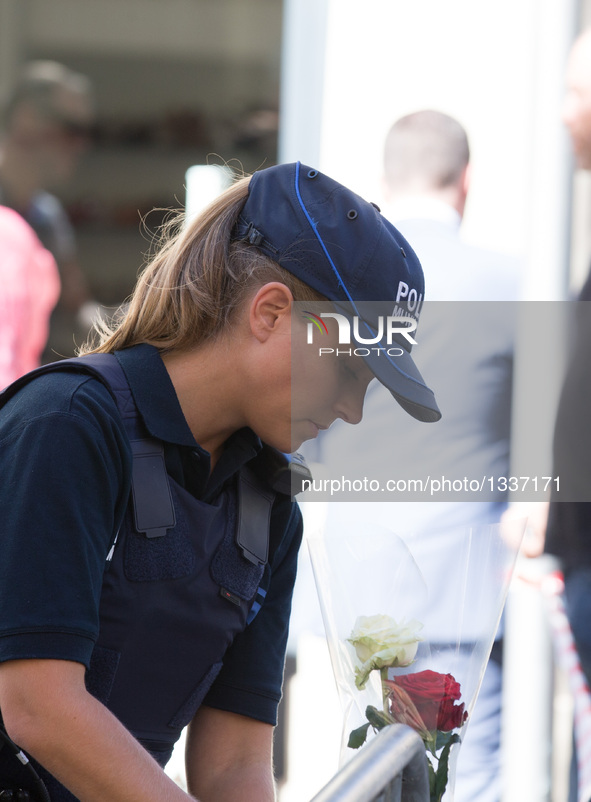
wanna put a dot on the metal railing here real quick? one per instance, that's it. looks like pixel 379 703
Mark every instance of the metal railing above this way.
pixel 391 768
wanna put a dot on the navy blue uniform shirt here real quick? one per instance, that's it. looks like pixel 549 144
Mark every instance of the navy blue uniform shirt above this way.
pixel 65 467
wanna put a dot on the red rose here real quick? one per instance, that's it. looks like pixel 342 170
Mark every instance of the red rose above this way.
pixel 434 696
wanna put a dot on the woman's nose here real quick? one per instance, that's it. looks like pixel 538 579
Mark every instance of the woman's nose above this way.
pixel 350 405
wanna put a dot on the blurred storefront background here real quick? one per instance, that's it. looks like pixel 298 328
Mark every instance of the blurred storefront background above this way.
pixel 176 83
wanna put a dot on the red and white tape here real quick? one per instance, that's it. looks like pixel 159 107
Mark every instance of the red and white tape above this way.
pixel 552 587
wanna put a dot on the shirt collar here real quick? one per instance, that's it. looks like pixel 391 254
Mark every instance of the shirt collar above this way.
pixel 419 207
pixel 154 394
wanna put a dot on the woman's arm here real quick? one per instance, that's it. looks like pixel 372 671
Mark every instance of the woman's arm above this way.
pixel 48 713
pixel 229 757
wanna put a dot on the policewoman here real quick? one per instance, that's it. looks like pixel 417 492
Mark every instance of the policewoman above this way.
pixel 149 537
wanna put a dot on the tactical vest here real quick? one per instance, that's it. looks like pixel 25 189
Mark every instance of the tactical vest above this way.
pixel 183 578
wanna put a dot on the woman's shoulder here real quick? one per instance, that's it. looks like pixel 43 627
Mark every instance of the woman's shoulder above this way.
pixel 62 400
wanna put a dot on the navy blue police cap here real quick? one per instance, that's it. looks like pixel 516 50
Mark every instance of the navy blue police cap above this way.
pixel 342 247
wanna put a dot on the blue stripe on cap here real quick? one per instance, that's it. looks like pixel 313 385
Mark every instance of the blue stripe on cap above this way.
pixel 339 277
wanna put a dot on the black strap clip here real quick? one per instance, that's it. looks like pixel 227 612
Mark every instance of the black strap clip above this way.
pixel 152 499
pixel 253 235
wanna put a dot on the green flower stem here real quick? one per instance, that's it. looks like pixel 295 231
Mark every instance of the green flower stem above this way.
pixel 385 692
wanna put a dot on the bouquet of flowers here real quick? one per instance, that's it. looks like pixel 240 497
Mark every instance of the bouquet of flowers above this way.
pixel 408 644
pixel 427 700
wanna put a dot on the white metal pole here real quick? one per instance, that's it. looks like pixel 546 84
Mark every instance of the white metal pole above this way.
pixel 302 80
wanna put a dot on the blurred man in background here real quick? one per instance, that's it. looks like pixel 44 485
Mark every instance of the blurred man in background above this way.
pixel 46 126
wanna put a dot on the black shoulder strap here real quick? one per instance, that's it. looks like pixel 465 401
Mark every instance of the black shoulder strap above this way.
pixel 152 500
pixel 270 473
pixel 255 500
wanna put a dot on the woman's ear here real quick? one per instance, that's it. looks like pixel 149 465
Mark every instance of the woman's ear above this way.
pixel 270 310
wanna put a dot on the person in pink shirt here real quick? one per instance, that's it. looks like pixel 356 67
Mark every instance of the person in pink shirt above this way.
pixel 29 289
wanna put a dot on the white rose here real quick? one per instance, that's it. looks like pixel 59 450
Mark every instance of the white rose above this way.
pixel 380 641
